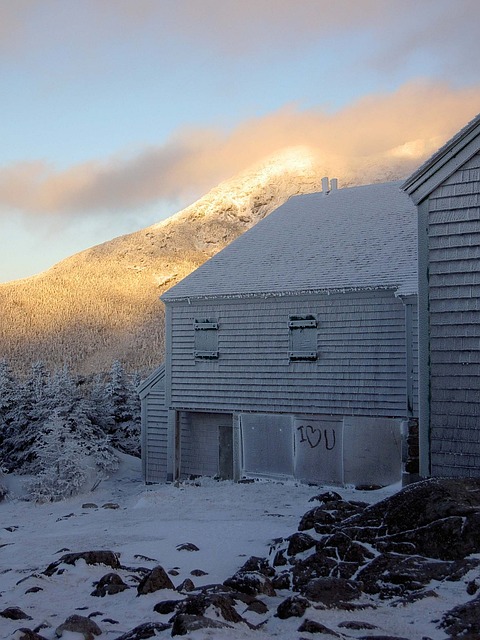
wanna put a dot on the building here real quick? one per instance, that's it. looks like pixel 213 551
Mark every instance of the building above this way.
pixel 292 352
pixel 446 191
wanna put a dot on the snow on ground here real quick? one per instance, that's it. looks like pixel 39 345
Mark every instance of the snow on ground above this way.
pixel 228 522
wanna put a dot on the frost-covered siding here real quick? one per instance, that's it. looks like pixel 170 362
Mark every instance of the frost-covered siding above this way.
pixel 154 427
pixel 454 319
pixel 360 367
pixel 446 190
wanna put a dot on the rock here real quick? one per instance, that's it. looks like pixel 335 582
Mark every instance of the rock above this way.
pixel 326 496
pixel 472 587
pixel 356 625
pixel 384 637
pixel 187 585
pixel 144 631
pixel 155 580
pixel 109 584
pixel 110 505
pixel 310 626
pixel 79 624
pixel 314 516
pixel 293 606
pixel 34 590
pixel 91 557
pixel 439 517
pixel 187 546
pixel 251 582
pixel 198 573
pixel 27 634
pixel 14 613
pixel 391 574
pixel 317 565
pixel 166 606
pixel 197 605
pixel 463 621
pixel 281 581
pixel 299 542
pixel 279 559
pixel 332 591
pixel 89 505
pixel 257 606
pixel 185 624
pixel 259 565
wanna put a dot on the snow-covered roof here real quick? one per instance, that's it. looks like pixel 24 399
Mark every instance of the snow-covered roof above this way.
pixel 351 239
pixel 444 162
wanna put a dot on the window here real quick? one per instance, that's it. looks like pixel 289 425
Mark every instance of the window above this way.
pixel 206 339
pixel 303 338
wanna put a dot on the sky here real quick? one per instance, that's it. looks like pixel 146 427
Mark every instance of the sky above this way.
pixel 118 113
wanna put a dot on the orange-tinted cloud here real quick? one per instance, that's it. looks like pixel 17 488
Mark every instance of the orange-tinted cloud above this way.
pixel 402 127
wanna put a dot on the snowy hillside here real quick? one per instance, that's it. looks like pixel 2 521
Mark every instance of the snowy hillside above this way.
pixel 201 531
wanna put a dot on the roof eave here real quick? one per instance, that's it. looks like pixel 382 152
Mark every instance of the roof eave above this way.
pixel 457 151
pixel 303 292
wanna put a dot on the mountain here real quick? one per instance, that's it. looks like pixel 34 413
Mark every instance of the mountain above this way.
pixel 103 304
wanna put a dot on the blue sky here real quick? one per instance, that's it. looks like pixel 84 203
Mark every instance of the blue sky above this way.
pixel 118 113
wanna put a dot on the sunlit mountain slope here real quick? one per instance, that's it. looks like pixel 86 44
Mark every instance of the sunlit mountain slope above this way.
pixel 103 304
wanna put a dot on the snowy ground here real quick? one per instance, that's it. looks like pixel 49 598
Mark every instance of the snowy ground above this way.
pixel 228 523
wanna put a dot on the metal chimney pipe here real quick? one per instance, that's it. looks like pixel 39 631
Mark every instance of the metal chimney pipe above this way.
pixel 333 184
pixel 325 188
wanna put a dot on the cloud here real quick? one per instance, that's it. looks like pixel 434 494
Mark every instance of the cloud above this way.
pixel 445 32
pixel 410 123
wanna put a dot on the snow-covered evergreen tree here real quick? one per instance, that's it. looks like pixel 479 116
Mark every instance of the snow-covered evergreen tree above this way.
pixel 9 398
pixel 31 410
pixel 124 408
pixel 70 451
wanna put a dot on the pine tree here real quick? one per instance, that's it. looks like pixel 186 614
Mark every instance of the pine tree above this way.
pixel 30 412
pixel 124 408
pixel 8 398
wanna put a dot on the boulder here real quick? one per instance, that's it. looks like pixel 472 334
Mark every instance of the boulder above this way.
pixel 144 631
pixel 250 582
pixel 27 634
pixel 438 518
pixel 311 626
pixel 332 591
pixel 463 621
pixel 299 542
pixel 14 613
pixel 155 580
pixel 292 607
pixel 81 625
pixel 107 558
pixel 391 574
pixel 185 624
pixel 198 604
pixel 186 586
pixel 109 584
pixel 166 606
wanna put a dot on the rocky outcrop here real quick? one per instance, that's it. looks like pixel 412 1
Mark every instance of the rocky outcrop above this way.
pixel 346 556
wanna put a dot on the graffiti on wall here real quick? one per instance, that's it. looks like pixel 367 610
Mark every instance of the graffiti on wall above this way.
pixel 315 437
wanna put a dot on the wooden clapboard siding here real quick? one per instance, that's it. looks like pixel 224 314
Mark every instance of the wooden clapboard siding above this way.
pixel 360 370
pixel 454 322
pixel 154 427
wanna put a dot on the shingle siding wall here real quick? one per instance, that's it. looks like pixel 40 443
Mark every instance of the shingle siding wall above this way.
pixel 155 422
pixel 454 315
pixel 360 370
